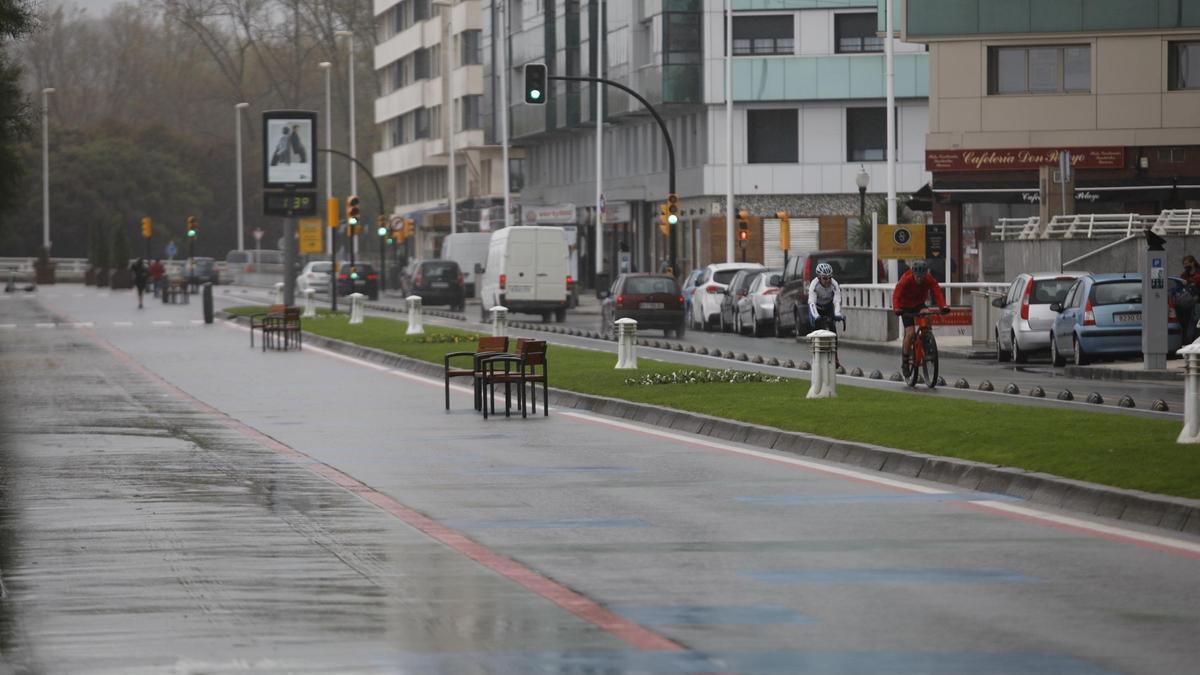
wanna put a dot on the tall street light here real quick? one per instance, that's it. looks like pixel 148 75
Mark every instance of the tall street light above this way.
pixel 328 68
pixel 237 122
pixel 46 168
pixel 863 181
pixel 349 35
pixel 448 103
pixel 599 94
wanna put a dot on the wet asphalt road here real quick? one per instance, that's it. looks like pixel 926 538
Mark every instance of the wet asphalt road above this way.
pixel 173 501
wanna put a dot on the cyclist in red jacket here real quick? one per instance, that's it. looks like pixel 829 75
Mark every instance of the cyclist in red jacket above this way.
pixel 910 295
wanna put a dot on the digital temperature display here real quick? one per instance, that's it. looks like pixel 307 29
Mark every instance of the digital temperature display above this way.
pixel 290 203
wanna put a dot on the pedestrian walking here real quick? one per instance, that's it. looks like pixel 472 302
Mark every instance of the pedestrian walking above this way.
pixel 1185 298
pixel 157 272
pixel 141 273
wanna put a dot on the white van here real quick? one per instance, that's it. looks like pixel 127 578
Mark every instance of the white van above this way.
pixel 527 272
pixel 468 249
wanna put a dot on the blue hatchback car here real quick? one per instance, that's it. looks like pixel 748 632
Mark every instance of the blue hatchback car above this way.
pixel 1101 316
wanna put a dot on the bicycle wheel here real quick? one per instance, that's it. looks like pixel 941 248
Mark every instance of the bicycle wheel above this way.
pixel 929 364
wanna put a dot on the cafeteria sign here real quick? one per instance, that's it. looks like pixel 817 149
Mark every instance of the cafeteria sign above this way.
pixel 901 242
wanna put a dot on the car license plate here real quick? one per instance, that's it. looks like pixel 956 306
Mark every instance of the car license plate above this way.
pixel 521 288
pixel 441 284
pixel 651 305
pixel 1127 317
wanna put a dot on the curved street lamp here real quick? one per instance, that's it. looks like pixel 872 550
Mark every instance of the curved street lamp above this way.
pixel 241 222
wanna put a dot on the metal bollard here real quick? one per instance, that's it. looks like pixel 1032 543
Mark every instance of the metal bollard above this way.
pixel 279 292
pixel 1191 394
pixel 356 307
pixel 499 321
pixel 626 344
pixel 824 373
pixel 207 301
pixel 310 307
pixel 415 325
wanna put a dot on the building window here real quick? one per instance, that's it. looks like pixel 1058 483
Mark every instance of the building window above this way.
pixel 1040 70
pixel 470 54
pixel 471 108
pixel 866 135
pixel 683 39
pixel 421 123
pixel 855 33
pixel 762 35
pixel 1183 66
pixel 516 174
pixel 772 136
pixel 420 64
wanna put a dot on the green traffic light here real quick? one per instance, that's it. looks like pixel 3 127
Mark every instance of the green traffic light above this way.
pixel 354 275
pixel 381 231
pixel 672 219
pixel 389 241
pixel 535 94
pixel 191 233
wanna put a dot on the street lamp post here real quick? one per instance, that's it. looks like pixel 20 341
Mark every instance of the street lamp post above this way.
pixel 330 230
pixel 863 180
pixel 241 221
pixel 349 35
pixel 46 168
pixel 448 104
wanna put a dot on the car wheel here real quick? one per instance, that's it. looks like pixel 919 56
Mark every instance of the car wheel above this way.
pixel 560 315
pixel 668 332
pixel 780 331
pixel 799 326
pixel 1080 358
pixel 545 317
pixel 681 332
pixel 1056 358
pixel 1018 355
pixel 1002 354
pixel 737 323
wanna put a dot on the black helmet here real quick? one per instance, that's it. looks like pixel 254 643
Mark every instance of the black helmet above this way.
pixel 919 268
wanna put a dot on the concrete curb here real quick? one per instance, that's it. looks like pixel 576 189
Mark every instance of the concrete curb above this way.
pixel 1132 506
pixel 1109 374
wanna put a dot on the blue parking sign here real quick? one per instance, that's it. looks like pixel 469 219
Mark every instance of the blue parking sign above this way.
pixel 171 250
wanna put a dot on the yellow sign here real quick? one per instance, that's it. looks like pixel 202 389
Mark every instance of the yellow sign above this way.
pixel 312 236
pixel 901 242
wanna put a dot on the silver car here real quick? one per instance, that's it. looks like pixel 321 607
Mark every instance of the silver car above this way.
pixel 755 311
pixel 1025 314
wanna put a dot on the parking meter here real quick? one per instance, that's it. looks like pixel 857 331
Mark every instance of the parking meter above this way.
pixel 1155 291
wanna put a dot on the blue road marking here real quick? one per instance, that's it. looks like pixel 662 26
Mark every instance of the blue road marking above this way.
pixel 700 615
pixel 887 576
pixel 553 470
pixel 797 500
pixel 748 663
pixel 564 523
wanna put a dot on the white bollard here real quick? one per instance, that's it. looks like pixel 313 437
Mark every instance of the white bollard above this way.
pixel 310 307
pixel 279 292
pixel 416 325
pixel 824 373
pixel 499 321
pixel 626 344
pixel 1191 394
pixel 356 307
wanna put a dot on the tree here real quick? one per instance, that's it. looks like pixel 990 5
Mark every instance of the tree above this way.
pixel 16 19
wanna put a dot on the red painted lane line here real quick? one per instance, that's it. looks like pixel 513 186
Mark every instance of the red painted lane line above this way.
pixel 576 603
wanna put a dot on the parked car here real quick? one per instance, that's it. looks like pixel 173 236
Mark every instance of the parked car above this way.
pixel 689 288
pixel 203 270
pixel 357 278
pixel 1025 316
pixel 1101 316
pixel 791 303
pixel 706 299
pixel 315 275
pixel 738 285
pixel 653 300
pixel 527 271
pixel 437 282
pixel 756 310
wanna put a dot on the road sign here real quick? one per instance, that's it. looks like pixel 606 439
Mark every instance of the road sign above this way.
pixel 902 241
pixel 935 241
pixel 171 250
pixel 258 233
pixel 312 237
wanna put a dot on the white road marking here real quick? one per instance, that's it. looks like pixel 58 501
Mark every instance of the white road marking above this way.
pixel 83 324
pixel 45 325
pixel 8 325
pixel 162 323
pixel 123 324
pixel 196 322
pixel 1098 528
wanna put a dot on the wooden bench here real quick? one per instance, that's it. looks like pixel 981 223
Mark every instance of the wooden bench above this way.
pixel 521 369
pixel 487 346
pixel 279 327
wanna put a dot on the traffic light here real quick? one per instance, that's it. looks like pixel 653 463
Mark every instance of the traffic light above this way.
pixel 743 223
pixel 381 227
pixel 535 83
pixel 352 211
pixel 331 212
pixel 146 228
pixel 191 223
pixel 785 230
pixel 408 228
pixel 673 208
pixel 353 272
pixel 664 219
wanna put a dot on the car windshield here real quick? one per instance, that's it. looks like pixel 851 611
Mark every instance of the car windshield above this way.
pixel 724 276
pixel 648 285
pixel 848 269
pixel 440 271
pixel 747 280
pixel 775 280
pixel 1124 292
pixel 1046 291
pixel 362 268
pixel 320 268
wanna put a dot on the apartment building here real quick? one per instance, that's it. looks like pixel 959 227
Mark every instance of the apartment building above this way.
pixel 1116 83
pixel 808 87
pixel 420 83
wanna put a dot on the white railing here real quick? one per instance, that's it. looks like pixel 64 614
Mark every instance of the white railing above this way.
pixel 879 296
pixel 1009 229
pixel 1098 225
pixel 1178 221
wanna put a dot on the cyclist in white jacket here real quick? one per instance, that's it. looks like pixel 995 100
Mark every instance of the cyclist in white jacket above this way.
pixel 825 301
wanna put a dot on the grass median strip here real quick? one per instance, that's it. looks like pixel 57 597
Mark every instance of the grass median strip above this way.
pixel 1117 450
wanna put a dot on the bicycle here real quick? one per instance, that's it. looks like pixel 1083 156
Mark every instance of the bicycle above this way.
pixel 924 351
pixel 829 323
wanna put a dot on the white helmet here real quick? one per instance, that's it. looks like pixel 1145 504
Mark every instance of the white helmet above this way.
pixel 824 270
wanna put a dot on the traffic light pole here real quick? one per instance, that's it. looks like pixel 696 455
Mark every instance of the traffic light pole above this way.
pixel 661 125
pixel 382 263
